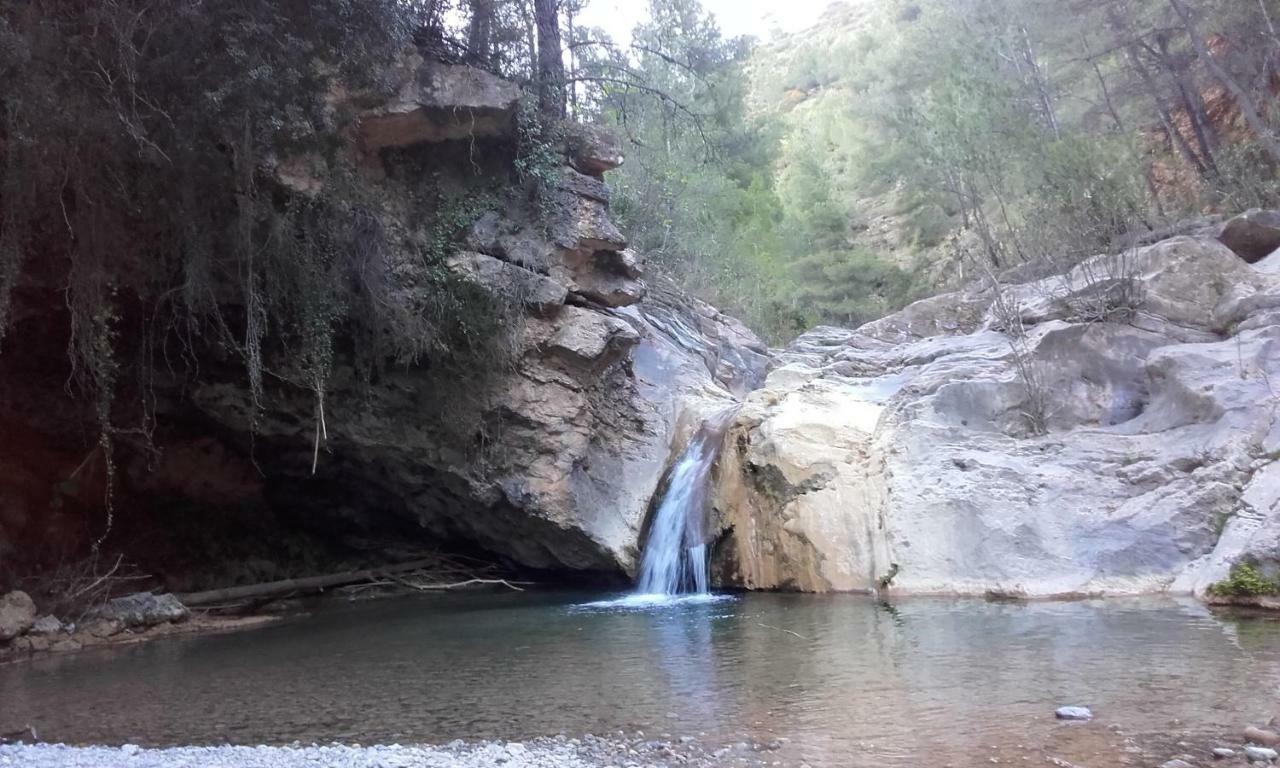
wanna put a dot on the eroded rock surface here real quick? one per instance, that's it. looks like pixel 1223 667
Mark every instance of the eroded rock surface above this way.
pixel 436 102
pixel 903 456
pixel 555 462
pixel 545 456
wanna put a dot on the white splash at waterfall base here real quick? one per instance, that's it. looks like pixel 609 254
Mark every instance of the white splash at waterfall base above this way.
pixel 675 564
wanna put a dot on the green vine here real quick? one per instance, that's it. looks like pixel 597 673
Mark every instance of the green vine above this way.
pixel 538 160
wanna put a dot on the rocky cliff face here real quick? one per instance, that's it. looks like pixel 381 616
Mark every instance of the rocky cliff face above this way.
pixel 550 462
pixel 906 455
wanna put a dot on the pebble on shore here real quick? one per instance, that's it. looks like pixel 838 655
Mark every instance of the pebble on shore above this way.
pixel 588 752
pixel 1260 754
pixel 1073 713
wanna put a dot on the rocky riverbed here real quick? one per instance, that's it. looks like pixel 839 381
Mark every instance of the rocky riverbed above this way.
pixel 1071 746
pixel 552 752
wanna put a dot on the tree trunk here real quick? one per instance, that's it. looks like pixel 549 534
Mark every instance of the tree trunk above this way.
pixel 1192 102
pixel 1107 101
pixel 1176 139
pixel 305 584
pixel 1041 83
pixel 480 32
pixel 551 79
pixel 1245 102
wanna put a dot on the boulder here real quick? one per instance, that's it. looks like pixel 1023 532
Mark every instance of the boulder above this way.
pixel 583 224
pixel 582 185
pixel 608 289
pixel 541 295
pixel 1253 235
pixel 592 338
pixel 17 614
pixel 1172 288
pixel 142 609
pixel 99 628
pixel 592 150
pixel 45 625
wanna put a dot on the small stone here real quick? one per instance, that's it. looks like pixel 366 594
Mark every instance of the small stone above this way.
pixel 1176 763
pixel 1259 754
pixel 1220 753
pixel 1261 736
pixel 45 625
pixel 102 628
pixel 1073 713
pixel 66 644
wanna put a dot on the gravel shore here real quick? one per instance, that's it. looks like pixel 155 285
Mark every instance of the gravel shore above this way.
pixel 589 752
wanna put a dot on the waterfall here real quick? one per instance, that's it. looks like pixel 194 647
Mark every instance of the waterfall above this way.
pixel 675 554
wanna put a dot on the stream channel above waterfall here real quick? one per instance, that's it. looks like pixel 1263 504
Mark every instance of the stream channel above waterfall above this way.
pixel 824 680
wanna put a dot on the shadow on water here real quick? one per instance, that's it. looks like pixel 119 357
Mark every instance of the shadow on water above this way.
pixel 846 680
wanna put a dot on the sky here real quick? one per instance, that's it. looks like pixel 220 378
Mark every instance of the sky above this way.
pixel 735 17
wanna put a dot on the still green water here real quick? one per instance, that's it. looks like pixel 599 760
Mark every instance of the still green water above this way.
pixel 843 679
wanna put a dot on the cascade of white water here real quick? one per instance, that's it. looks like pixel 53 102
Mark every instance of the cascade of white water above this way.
pixel 675 553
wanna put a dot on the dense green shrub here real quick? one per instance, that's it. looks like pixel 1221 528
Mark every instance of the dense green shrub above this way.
pixel 1245 580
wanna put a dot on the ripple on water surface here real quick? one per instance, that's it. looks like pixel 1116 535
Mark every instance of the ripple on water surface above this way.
pixel 828 680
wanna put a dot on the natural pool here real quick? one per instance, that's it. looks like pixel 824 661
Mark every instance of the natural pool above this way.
pixel 825 680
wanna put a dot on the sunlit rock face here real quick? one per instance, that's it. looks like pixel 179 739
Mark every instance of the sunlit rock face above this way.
pixel 900 455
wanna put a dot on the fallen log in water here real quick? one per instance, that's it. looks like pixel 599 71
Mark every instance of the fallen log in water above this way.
pixel 273 589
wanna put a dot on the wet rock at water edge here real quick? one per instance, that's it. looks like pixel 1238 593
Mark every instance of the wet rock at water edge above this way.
pixel 1073 713
pixel 1261 736
pixel 1260 754
pixel 101 629
pixel 142 610
pixel 29 643
pixel 46 625
pixel 17 614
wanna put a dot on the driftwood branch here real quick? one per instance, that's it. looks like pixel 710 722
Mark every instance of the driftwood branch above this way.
pixel 305 584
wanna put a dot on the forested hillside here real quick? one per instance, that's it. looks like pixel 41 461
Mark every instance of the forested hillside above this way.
pixel 905 145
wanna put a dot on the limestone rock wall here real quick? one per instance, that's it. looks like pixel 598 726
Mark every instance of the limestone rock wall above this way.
pixel 584 421
pixel 900 455
pixel 548 458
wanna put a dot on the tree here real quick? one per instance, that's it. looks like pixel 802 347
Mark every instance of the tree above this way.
pixel 480 31
pixel 550 77
pixel 1252 115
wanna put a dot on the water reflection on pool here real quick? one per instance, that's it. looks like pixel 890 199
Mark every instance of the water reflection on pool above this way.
pixel 843 680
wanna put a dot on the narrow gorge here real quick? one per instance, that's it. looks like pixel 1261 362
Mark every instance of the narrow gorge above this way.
pixel 604 384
